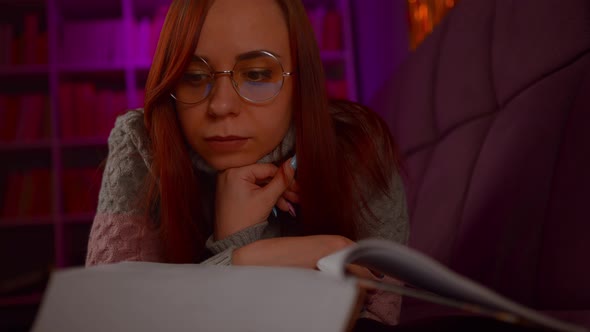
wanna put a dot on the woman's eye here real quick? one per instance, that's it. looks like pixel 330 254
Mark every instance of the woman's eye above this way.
pixel 257 75
pixel 196 78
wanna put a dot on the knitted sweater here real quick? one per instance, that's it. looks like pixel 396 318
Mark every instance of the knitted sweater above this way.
pixel 121 232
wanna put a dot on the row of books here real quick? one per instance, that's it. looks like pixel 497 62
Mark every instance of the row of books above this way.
pixel 337 89
pixel 105 41
pixel 24 118
pixel 327 24
pixel 88 111
pixel 29 193
pixel 97 41
pixel 84 112
pixel 23 44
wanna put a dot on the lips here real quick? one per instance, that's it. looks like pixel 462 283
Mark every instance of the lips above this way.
pixel 225 138
pixel 226 143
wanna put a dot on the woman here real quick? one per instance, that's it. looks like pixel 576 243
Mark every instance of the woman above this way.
pixel 236 90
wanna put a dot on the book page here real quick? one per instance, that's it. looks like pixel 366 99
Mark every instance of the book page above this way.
pixel 139 296
pixel 427 274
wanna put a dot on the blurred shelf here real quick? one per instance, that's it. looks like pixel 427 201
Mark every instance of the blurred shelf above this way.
pixel 85 142
pixel 11 222
pixel 333 55
pixel 83 10
pixel 25 145
pixel 25 299
pixel 142 65
pixel 83 218
pixel 90 67
pixel 23 70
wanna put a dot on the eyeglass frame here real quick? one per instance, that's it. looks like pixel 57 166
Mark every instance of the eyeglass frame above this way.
pixel 230 73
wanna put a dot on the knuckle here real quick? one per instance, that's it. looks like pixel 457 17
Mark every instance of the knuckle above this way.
pixel 341 242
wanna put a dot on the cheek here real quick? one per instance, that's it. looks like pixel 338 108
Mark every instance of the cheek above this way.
pixel 189 123
pixel 277 125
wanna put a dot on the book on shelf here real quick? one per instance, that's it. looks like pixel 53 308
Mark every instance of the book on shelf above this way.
pixel 27 194
pixel 24 45
pixel 24 118
pixel 327 26
pixel 31 33
pixel 95 42
pixel 86 111
pixel 185 297
pixel 32 121
pixel 9 109
pixel 6 44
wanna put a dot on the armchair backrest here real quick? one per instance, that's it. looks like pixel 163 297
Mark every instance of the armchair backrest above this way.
pixel 492 115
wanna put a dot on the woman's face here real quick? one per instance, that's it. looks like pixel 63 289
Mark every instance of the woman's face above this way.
pixel 224 129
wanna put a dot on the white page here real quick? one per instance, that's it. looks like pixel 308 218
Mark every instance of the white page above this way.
pixel 425 273
pixel 146 297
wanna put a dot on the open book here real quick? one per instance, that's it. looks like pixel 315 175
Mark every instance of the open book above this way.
pixel 153 297
pixel 435 283
pixel 136 296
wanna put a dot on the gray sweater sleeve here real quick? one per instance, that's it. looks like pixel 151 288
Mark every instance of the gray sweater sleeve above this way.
pixel 127 165
pixel 223 249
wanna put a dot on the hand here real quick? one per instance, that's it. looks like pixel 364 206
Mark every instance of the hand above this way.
pixel 242 200
pixel 302 251
pixel 362 272
pixel 290 196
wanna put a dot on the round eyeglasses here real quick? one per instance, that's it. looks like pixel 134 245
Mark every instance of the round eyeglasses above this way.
pixel 257 77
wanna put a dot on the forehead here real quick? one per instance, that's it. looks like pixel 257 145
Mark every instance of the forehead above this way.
pixel 234 27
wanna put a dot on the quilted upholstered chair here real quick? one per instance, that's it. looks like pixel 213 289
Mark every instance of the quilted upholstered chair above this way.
pixel 492 116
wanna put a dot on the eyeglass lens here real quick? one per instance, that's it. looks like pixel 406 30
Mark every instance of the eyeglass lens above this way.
pixel 257 79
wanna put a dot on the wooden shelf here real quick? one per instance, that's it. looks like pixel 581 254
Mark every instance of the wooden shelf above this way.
pixel 21 146
pixel 23 70
pixel 90 142
pixel 90 67
pixel 26 221
pixel 79 218
pixel 333 55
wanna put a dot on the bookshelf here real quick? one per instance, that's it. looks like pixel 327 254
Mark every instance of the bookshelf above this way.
pixel 67 69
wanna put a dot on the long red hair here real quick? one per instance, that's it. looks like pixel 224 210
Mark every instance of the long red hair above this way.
pixel 329 161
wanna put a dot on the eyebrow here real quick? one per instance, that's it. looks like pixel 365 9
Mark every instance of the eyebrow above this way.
pixel 243 56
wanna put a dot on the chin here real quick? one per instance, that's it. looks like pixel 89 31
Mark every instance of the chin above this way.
pixel 226 162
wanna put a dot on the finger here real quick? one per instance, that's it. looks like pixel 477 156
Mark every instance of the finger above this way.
pixel 283 204
pixel 257 173
pixel 280 182
pixel 362 273
pixel 286 206
pixel 359 271
pixel 291 196
pixel 294 186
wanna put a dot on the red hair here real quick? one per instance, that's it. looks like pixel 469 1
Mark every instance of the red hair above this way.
pixel 333 145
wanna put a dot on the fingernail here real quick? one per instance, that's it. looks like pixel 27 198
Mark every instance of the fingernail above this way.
pixel 377 274
pixel 294 162
pixel 291 210
pixel 274 211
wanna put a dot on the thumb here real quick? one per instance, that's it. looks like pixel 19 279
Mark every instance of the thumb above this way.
pixel 282 179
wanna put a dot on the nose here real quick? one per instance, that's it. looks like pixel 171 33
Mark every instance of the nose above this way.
pixel 224 99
